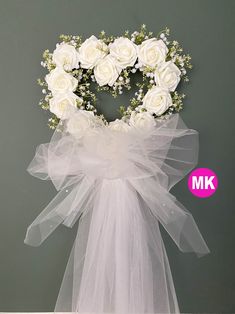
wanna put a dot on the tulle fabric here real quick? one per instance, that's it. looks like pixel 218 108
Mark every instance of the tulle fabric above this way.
pixel 117 184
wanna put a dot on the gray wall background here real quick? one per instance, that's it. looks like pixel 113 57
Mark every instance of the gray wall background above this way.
pixel 30 277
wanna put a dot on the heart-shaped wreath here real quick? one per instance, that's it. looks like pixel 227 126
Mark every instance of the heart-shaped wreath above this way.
pixel 75 66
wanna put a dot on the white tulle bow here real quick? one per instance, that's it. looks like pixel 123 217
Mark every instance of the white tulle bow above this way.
pixel 149 162
pixel 117 184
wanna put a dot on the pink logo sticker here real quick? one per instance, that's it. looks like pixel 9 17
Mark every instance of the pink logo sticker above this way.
pixel 202 182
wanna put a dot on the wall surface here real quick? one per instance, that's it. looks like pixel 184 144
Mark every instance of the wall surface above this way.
pixel 30 277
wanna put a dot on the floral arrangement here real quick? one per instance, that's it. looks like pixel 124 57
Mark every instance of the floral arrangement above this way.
pixel 108 63
pixel 115 177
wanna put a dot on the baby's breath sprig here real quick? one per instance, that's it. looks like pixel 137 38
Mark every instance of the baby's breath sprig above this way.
pixel 177 100
pixel 122 110
pixel 44 104
pixel 103 88
pixel 183 61
pixel 139 36
pixel 71 39
pixel 164 34
pixel 106 39
pixel 47 60
pixel 127 34
pixel 65 38
pixel 53 122
pixel 148 77
pixel 41 82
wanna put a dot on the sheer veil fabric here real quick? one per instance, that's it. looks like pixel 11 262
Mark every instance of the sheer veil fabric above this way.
pixel 117 184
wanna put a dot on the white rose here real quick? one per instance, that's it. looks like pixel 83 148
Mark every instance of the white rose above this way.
pixel 142 120
pixel 157 100
pixel 91 51
pixel 119 125
pixel 59 81
pixel 80 123
pixel 167 75
pixel 63 105
pixel 65 56
pixel 152 52
pixel 106 71
pixel 124 51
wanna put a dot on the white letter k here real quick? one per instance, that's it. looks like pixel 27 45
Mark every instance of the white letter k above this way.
pixel 208 182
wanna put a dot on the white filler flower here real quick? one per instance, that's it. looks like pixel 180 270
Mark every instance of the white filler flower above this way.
pixel 167 75
pixel 65 56
pixel 152 52
pixel 124 51
pixel 157 100
pixel 59 81
pixel 91 51
pixel 63 105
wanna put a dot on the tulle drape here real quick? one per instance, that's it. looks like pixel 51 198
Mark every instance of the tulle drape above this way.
pixel 117 184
